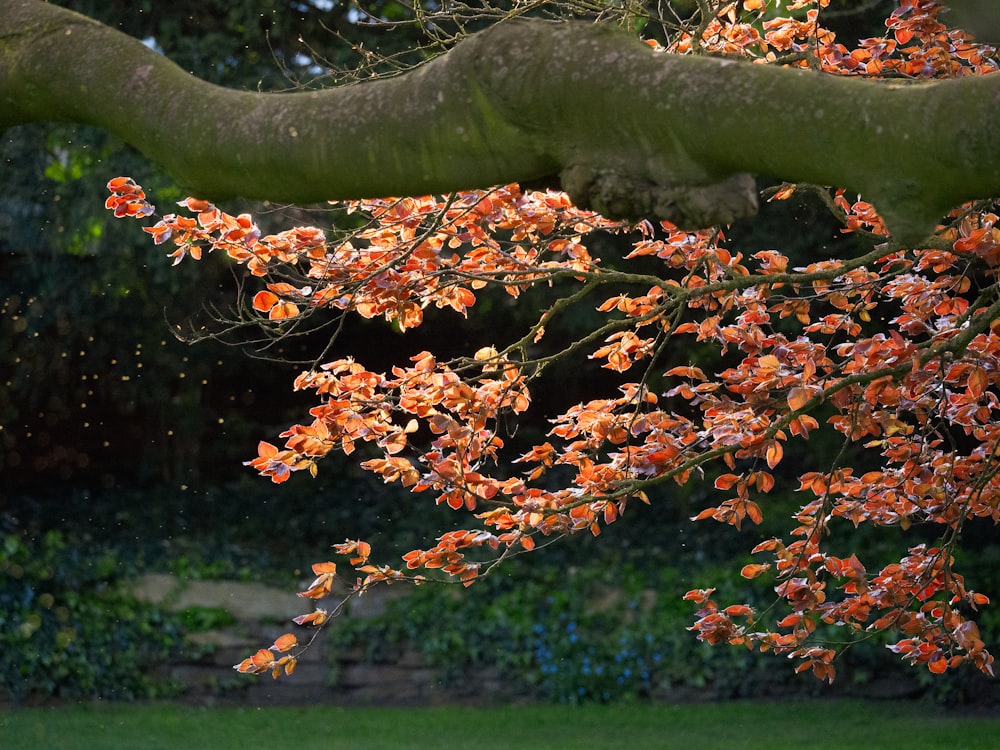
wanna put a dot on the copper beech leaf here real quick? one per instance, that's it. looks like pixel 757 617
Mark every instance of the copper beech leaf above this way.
pixel 798 397
pixel 264 300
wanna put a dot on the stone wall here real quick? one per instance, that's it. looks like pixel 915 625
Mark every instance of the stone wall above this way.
pixel 261 614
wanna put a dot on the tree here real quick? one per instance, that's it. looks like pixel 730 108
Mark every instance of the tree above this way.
pixel 892 348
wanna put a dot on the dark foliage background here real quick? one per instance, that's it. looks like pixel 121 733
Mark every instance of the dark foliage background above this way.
pixel 121 446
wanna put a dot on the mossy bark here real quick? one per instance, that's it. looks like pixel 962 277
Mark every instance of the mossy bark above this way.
pixel 631 131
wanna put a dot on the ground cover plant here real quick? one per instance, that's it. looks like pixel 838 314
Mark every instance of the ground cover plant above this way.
pixel 70 628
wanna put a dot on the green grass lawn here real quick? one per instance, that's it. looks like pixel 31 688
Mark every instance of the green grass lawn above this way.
pixel 840 725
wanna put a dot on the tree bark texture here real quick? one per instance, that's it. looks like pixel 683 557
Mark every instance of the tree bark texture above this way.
pixel 631 132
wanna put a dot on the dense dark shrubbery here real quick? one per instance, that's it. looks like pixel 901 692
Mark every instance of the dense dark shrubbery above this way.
pixel 68 629
pixel 603 632
pixel 244 529
pixel 572 635
pixel 587 620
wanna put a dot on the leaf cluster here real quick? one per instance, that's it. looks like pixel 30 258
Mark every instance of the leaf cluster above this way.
pixel 916 393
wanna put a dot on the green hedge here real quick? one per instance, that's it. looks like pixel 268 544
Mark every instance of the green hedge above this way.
pixel 588 620
pixel 68 629
pixel 606 633
pixel 581 634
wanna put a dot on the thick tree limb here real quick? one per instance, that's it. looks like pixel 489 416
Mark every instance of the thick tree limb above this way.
pixel 981 17
pixel 632 132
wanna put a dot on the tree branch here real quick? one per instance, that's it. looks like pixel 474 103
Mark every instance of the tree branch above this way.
pixel 632 132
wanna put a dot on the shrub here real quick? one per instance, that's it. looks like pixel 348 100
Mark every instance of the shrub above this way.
pixel 69 629
pixel 581 634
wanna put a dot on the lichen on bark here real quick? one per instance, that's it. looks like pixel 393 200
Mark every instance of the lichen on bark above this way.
pixel 619 196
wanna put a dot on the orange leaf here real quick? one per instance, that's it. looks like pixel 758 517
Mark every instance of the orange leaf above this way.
pixel 726 481
pixel 194 204
pixel 978 381
pixel 798 397
pixel 262 658
pixel 687 372
pixel 774 453
pixel 118 184
pixel 264 301
pixel 784 192
pixel 707 513
pixel 286 642
pixel 698 596
pixel 753 570
pixel 938 665
pixel 283 311
pixel 266 450
pixel 317 617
